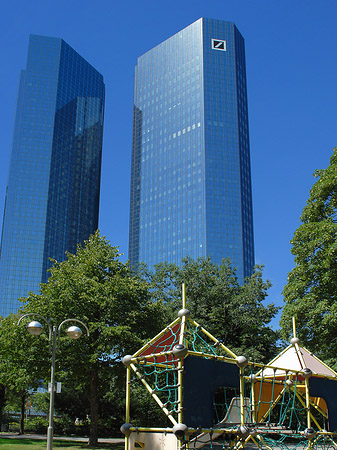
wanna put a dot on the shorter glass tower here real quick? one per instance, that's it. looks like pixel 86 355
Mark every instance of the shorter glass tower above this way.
pixel 190 176
pixel 52 195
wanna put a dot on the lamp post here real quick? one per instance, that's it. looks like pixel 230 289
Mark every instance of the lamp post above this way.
pixel 74 332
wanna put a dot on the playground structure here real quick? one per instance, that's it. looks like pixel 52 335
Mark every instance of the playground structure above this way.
pixel 215 399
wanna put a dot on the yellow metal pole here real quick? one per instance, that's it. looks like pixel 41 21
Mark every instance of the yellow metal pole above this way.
pixel 127 400
pixel 151 429
pixel 184 295
pixel 242 397
pixel 182 330
pixel 180 391
pixel 263 442
pixel 252 387
pixel 180 364
pixel 127 403
pixel 297 348
pixel 307 402
pixel 312 417
pixel 294 326
pixel 307 397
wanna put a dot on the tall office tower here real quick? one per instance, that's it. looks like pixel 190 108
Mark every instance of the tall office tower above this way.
pixel 191 181
pixel 53 189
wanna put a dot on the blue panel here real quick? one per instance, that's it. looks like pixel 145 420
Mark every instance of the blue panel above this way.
pixel 326 389
pixel 201 378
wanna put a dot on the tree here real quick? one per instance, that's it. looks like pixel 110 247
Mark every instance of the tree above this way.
pixel 95 287
pixel 22 360
pixel 311 290
pixel 235 314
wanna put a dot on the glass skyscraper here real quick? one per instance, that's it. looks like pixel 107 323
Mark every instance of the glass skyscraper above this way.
pixel 52 196
pixel 191 176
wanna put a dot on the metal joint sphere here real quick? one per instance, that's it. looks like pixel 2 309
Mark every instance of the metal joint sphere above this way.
pixel 125 428
pixel 180 430
pixel 309 433
pixel 241 361
pixel 306 372
pixel 253 378
pixel 183 312
pixel 180 350
pixel 126 360
pixel 243 432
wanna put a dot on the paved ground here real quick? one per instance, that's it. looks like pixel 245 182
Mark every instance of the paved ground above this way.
pixel 61 438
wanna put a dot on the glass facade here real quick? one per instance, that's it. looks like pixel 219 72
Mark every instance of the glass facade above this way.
pixel 52 195
pixel 190 176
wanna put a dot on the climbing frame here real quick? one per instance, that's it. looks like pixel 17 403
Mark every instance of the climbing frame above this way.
pixel 214 399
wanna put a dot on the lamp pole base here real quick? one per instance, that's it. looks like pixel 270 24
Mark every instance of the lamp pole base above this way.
pixel 50 435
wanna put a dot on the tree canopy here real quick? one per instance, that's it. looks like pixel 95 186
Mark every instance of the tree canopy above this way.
pixel 22 358
pixel 95 287
pixel 311 291
pixel 236 315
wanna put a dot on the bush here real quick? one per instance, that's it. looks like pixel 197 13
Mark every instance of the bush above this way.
pixel 36 425
pixel 14 427
pixel 64 425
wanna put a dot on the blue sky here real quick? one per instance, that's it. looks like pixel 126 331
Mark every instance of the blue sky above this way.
pixel 291 53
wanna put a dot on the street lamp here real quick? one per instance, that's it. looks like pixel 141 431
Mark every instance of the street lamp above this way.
pixel 74 332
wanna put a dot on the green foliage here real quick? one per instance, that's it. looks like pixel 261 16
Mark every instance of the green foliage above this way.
pixel 14 427
pixel 311 290
pixel 21 356
pixel 40 402
pixel 23 360
pixel 96 288
pixel 235 314
pixel 36 425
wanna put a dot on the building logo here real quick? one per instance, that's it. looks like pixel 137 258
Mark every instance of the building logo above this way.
pixel 219 44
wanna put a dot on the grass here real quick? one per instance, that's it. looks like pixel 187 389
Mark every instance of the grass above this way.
pixel 33 444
